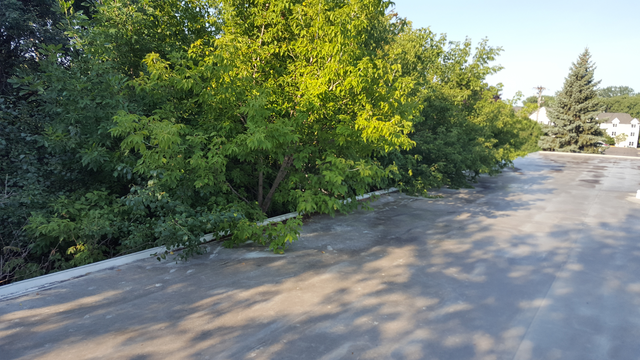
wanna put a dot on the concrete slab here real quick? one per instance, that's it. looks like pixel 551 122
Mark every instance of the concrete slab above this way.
pixel 541 262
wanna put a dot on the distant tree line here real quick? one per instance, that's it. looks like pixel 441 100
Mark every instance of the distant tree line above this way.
pixel 629 104
pixel 126 125
pixel 616 99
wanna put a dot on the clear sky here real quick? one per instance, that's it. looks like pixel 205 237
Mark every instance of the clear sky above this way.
pixel 542 38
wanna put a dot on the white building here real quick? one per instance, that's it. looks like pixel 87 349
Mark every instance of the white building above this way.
pixel 540 116
pixel 620 123
pixel 614 124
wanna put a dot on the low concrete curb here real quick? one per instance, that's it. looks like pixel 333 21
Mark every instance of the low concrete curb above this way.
pixel 294 214
pixel 598 155
pixel 46 281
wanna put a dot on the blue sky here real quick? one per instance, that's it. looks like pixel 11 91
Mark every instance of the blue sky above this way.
pixel 542 38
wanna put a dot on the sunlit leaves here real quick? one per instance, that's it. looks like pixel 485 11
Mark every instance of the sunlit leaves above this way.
pixel 466 130
pixel 166 116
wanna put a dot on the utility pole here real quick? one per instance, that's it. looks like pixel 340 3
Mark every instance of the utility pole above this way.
pixel 540 101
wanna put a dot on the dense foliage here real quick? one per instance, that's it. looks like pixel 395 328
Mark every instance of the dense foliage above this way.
pixel 466 129
pixel 620 99
pixel 154 122
pixel 547 100
pixel 614 99
pixel 623 104
pixel 574 126
pixel 614 91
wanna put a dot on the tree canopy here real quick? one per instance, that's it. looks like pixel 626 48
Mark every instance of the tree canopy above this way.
pixel 547 100
pixel 612 91
pixel 623 104
pixel 153 122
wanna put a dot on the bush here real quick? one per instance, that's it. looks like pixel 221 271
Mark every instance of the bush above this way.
pixel 136 132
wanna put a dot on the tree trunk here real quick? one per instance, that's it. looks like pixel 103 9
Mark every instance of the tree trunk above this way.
pixel 288 160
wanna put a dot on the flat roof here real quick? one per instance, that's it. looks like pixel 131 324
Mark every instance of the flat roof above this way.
pixel 539 262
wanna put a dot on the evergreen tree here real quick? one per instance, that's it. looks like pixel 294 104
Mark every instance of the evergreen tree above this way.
pixel 574 126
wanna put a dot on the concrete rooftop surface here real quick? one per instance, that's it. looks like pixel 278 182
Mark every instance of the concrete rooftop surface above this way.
pixel 541 262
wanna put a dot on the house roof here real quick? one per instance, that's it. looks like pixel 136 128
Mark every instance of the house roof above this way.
pixel 623 117
pixel 539 114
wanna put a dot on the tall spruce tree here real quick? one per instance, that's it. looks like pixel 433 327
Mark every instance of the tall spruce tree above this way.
pixel 574 127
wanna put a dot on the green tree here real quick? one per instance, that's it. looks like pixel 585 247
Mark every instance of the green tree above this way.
pixel 55 150
pixel 259 109
pixel 574 126
pixel 29 175
pixel 548 101
pixel 608 139
pixel 153 122
pixel 283 111
pixel 623 104
pixel 620 138
pixel 528 109
pixel 24 25
pixel 467 129
pixel 613 91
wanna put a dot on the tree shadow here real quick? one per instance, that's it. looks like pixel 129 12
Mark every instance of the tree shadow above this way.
pixel 478 274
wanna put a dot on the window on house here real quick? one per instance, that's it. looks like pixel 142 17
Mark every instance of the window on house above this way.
pixel 613 133
pixel 633 126
pixel 615 125
pixel 633 134
pixel 630 143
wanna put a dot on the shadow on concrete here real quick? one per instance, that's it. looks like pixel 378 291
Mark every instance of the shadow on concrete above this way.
pixel 535 263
